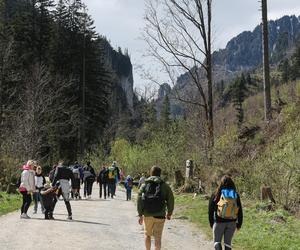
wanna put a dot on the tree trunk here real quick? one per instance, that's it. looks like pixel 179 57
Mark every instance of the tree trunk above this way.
pixel 179 179
pixel 266 194
pixel 267 87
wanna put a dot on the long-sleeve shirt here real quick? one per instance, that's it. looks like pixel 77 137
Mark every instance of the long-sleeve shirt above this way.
pixel 167 197
pixel 63 173
pixel 213 217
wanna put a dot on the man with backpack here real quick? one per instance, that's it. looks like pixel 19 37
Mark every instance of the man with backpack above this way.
pixel 63 174
pixel 78 176
pixel 113 176
pixel 89 178
pixel 155 204
pixel 102 180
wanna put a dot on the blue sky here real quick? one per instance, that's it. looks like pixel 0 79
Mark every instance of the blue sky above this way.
pixel 121 21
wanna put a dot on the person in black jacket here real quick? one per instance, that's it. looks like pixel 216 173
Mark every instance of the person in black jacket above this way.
pixel 64 174
pixel 89 178
pixel 49 200
pixel 225 213
pixel 102 180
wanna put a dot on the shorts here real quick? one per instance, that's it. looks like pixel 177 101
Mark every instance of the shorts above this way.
pixel 154 226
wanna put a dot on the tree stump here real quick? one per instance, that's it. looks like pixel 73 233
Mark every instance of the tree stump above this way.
pixel 266 194
pixel 11 189
pixel 179 179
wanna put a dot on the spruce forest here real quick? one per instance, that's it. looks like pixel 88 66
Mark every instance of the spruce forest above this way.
pixel 67 93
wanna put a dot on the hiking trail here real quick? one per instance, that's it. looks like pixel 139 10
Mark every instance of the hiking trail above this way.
pixel 97 224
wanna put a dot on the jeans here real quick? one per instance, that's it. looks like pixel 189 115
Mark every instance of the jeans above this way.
pixel 225 229
pixel 103 187
pixel 112 187
pixel 89 187
pixel 37 197
pixel 128 194
pixel 26 202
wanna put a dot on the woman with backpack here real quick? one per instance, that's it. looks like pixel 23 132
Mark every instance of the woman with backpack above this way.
pixel 225 213
pixel 27 187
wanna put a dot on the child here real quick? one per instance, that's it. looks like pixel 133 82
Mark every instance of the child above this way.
pixel 128 186
pixel 49 200
pixel 225 213
pixel 39 184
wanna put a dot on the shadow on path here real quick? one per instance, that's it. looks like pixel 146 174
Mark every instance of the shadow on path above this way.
pixel 72 221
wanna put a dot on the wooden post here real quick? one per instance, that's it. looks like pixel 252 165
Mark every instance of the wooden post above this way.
pixel 189 170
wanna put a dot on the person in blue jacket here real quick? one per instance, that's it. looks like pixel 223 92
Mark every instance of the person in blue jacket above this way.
pixel 128 187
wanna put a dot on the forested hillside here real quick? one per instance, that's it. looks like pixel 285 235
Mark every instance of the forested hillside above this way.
pixel 61 83
pixel 243 53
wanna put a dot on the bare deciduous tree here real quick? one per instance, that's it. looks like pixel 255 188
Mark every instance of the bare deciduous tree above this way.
pixel 41 118
pixel 178 34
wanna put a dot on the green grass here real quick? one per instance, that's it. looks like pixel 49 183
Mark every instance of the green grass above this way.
pixel 261 230
pixel 9 203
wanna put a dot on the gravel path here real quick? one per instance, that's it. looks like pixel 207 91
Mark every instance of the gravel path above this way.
pixel 97 224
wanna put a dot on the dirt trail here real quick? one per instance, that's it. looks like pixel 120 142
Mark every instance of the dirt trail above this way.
pixel 97 224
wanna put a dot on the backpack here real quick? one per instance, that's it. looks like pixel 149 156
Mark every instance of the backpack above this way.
pixel 111 173
pixel 227 205
pixel 18 182
pixel 152 198
pixel 130 183
pixel 76 173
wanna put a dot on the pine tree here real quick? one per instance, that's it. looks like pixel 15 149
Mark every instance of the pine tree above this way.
pixel 239 91
pixel 284 68
pixel 166 113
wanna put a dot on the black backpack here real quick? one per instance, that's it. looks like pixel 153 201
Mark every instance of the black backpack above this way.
pixel 152 197
pixel 18 182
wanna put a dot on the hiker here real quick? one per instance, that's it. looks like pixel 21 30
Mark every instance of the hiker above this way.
pixel 128 187
pixel 102 180
pixel 40 181
pixel 27 187
pixel 142 180
pixel 225 213
pixel 63 174
pixel 48 194
pixel 89 178
pixel 112 179
pixel 78 176
pixel 155 204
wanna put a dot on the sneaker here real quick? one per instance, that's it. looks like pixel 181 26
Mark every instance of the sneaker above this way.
pixel 69 217
pixel 24 216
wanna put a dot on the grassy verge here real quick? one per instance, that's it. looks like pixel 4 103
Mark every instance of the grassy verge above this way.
pixel 9 203
pixel 261 230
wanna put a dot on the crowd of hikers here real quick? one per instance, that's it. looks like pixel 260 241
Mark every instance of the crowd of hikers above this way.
pixel 65 181
pixel 155 200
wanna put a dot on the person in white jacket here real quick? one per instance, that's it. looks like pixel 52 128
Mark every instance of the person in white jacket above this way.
pixel 27 187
